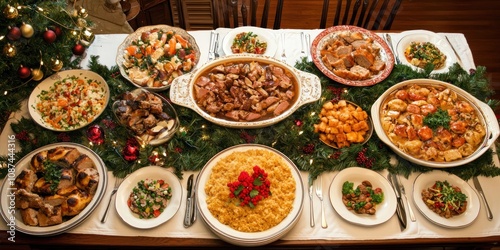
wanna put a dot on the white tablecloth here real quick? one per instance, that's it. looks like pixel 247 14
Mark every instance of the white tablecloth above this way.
pixel 106 47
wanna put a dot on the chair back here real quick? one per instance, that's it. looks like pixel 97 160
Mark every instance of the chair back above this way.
pixel 235 13
pixel 371 15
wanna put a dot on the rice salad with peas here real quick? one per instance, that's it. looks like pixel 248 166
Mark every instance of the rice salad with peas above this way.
pixel 71 103
pixel 149 198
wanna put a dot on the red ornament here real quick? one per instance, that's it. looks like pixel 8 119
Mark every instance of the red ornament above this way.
pixel 153 158
pixel 49 36
pixel 130 152
pixel 78 49
pixel 14 34
pixel 23 72
pixel 95 134
pixel 57 30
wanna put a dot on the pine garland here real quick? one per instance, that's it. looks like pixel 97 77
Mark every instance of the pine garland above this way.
pixel 199 140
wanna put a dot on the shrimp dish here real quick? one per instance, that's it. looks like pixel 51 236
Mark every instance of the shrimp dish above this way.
pixel 432 123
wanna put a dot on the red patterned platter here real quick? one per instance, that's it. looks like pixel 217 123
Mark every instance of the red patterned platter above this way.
pixel 352 55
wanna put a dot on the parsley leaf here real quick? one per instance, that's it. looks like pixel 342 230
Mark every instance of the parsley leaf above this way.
pixel 440 118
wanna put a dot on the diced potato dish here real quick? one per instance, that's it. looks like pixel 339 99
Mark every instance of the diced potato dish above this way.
pixel 342 124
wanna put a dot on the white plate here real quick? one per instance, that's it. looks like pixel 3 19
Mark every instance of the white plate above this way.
pixel 356 175
pixel 425 36
pixel 242 238
pixel 134 37
pixel 426 180
pixel 262 34
pixel 15 217
pixel 59 76
pixel 150 172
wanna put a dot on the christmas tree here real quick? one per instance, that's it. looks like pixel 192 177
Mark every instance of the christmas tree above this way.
pixel 37 38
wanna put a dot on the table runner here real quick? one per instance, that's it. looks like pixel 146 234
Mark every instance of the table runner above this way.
pixel 106 47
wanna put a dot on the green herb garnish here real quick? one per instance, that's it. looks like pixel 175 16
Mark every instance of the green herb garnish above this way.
pixel 52 174
pixel 347 187
pixel 440 118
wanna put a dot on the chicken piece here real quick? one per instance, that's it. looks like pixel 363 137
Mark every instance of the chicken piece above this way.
pixel 363 58
pixel 377 66
pixel 54 200
pixel 55 218
pixel 87 180
pixel 67 178
pixel 26 180
pixel 75 203
pixel 30 216
pixel 69 157
pixel 67 191
pixel 83 162
pixel 37 161
pixel 342 51
pixel 43 187
pixel 281 108
pixel 58 153
pixel 25 199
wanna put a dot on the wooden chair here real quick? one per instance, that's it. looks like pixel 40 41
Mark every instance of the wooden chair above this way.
pixel 372 11
pixel 226 13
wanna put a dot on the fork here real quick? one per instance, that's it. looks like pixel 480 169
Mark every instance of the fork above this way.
pixel 118 181
pixel 303 42
pixel 319 193
pixel 283 54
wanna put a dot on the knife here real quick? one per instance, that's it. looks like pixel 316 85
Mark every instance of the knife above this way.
pixel 216 46
pixel 403 195
pixel 189 203
pixel 311 191
pixel 211 46
pixel 195 204
pixel 481 193
pixel 400 208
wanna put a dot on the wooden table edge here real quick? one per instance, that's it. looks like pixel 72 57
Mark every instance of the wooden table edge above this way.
pixel 87 240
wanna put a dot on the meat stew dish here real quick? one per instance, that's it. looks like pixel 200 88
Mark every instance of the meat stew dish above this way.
pixel 245 91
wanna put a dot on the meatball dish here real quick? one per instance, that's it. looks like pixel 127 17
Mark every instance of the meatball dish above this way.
pixel 432 123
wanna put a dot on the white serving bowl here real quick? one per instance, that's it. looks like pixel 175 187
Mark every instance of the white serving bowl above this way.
pixel 484 112
pixel 182 90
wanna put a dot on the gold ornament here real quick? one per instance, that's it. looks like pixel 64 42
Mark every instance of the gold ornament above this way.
pixel 56 64
pixel 37 74
pixel 87 37
pixel 81 12
pixel 74 33
pixel 27 30
pixel 82 23
pixel 10 12
pixel 9 50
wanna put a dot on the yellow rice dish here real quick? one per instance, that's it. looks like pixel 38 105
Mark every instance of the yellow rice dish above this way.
pixel 270 211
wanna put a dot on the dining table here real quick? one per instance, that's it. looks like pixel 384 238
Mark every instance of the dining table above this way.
pixel 340 232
